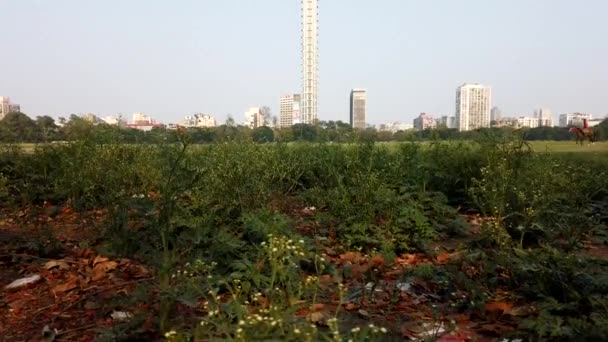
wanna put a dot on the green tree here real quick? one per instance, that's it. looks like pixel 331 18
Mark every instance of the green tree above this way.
pixel 18 127
pixel 263 134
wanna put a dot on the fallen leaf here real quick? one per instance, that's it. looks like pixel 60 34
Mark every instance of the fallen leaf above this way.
pixel 498 307
pixel 443 258
pixel 351 257
pixel 99 259
pixel 350 306
pixel 378 261
pixel 317 317
pixel 101 269
pixel 317 307
pixel 56 263
pixel 69 285
pixel 407 259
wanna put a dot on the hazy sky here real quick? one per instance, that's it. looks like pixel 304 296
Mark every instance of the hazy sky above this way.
pixel 173 58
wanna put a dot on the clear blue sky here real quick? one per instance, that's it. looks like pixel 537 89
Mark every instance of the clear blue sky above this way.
pixel 172 58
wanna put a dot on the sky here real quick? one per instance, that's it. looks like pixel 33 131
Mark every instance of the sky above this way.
pixel 170 59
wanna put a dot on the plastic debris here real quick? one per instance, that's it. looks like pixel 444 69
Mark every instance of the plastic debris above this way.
pixel 23 282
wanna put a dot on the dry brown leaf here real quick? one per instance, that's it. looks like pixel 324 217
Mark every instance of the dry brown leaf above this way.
pixel 101 269
pixel 69 285
pixel 56 263
pixel 350 306
pixel 99 259
pixel 317 307
pixel 498 307
pixel 378 261
pixel 444 258
pixel 317 317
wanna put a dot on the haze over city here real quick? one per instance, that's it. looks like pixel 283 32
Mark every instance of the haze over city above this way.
pixel 222 57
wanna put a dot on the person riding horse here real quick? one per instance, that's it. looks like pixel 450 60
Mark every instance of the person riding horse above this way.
pixel 583 133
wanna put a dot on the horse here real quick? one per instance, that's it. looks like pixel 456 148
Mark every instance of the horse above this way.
pixel 583 133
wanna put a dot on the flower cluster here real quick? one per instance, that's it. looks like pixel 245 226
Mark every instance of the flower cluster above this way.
pixel 283 248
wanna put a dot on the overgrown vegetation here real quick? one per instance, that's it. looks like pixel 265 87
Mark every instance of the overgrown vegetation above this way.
pixel 325 241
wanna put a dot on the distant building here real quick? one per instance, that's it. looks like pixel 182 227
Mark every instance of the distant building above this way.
pixel 358 108
pixel 544 116
pixel 473 102
pixel 310 57
pixel 573 119
pixel 528 122
pixel 254 117
pixel 7 107
pixel 424 121
pixel 114 120
pixel 495 114
pixel 289 112
pixel 142 119
pixel 199 120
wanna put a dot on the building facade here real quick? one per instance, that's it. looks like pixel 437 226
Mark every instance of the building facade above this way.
pixel 7 107
pixel 544 116
pixel 310 56
pixel 142 119
pixel 424 121
pixel 573 119
pixel 473 103
pixel 358 108
pixel 199 120
pixel 528 122
pixel 289 110
pixel 254 117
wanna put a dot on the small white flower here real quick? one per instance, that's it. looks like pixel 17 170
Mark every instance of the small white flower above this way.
pixel 383 329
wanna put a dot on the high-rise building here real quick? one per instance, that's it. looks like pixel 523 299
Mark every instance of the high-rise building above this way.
pixel 289 112
pixel 573 119
pixel 358 108
pixel 424 121
pixel 473 103
pixel 310 37
pixel 254 117
pixel 7 107
pixel 495 114
pixel 544 116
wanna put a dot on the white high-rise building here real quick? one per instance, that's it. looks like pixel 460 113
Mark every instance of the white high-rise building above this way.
pixel 473 103
pixel 544 116
pixel 289 110
pixel 254 117
pixel 310 37
pixel 358 108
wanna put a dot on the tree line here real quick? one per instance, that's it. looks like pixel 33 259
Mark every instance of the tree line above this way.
pixel 19 128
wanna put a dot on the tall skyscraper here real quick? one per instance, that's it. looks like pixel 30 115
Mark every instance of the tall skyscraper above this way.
pixel 310 37
pixel 289 110
pixel 473 103
pixel 358 108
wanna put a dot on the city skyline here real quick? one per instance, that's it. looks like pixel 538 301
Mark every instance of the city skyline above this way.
pixel 111 60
